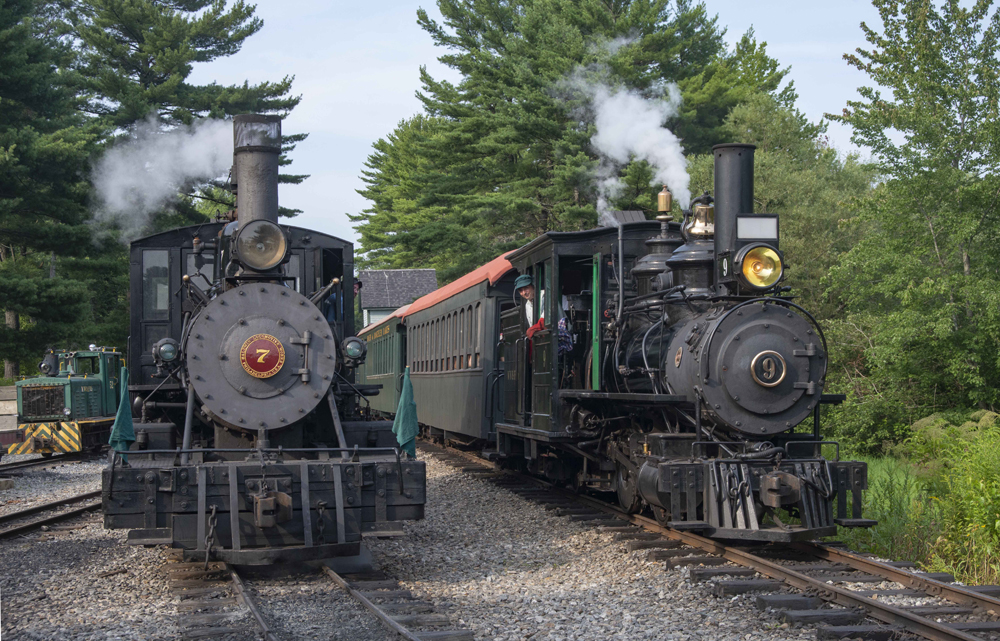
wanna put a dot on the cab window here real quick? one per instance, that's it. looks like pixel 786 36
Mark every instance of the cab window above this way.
pixel 87 365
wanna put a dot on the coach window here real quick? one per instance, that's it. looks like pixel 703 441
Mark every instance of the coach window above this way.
pixel 204 264
pixel 478 331
pixel 454 340
pixel 546 303
pixel 461 339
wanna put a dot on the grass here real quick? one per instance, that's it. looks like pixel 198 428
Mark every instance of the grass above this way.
pixel 909 518
pixel 944 524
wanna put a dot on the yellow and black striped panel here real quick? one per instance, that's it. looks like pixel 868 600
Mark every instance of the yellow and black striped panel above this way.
pixel 42 438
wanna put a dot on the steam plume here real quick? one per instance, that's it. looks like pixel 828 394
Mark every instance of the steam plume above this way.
pixel 144 174
pixel 629 126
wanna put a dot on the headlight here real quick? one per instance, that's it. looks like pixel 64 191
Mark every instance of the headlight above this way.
pixel 354 348
pixel 166 350
pixel 760 266
pixel 261 245
pixel 66 411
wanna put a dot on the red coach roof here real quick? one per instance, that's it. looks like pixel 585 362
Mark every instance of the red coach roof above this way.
pixel 491 271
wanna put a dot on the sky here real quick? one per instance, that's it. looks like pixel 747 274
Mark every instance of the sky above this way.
pixel 357 66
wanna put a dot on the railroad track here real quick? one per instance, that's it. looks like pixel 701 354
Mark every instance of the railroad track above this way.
pixel 60 510
pixel 212 601
pixel 840 593
pixel 55 459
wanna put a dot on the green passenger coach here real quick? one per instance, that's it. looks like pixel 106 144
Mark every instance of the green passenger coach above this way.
pixel 385 362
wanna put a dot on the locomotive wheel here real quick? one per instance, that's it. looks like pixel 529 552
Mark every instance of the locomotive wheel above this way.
pixel 628 497
pixel 662 516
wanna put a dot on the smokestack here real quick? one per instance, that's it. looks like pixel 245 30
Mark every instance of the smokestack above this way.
pixel 257 146
pixel 733 191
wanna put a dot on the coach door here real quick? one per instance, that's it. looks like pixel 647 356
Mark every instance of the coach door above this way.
pixel 513 356
pixel 541 350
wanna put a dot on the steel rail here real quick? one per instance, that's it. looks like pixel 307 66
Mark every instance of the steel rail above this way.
pixel 955 593
pixel 923 626
pixel 244 597
pixel 35 509
pixel 55 518
pixel 52 460
pixel 377 611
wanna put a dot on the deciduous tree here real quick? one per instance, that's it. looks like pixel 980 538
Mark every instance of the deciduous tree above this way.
pixel 921 286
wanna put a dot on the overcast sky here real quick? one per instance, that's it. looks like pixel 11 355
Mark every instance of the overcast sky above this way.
pixel 356 65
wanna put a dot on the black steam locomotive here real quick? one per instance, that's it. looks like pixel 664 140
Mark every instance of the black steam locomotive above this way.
pixel 656 360
pixel 250 444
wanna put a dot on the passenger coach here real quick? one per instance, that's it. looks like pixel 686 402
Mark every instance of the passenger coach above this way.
pixel 450 339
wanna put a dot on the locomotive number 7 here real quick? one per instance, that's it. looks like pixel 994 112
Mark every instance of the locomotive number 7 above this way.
pixel 263 354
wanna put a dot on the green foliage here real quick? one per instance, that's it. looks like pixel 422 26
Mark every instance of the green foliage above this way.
pixel 44 147
pixel 938 504
pixel 970 500
pixel 920 289
pixel 136 56
pixel 135 59
pixel 803 180
pixel 504 155
pixel 909 520
pixel 73 76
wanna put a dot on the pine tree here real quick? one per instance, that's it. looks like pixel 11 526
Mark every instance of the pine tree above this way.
pixel 43 152
pixel 136 57
pixel 510 158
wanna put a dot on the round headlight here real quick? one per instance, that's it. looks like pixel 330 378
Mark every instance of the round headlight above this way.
pixel 761 267
pixel 261 245
pixel 168 352
pixel 354 347
pixel 66 411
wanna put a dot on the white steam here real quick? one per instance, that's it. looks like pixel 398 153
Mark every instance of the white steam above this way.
pixel 143 175
pixel 629 126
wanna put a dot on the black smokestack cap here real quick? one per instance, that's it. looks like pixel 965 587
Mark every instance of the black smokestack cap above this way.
pixel 733 191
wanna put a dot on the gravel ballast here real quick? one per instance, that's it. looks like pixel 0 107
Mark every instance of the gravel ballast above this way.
pixel 52 589
pixel 35 486
pixel 509 570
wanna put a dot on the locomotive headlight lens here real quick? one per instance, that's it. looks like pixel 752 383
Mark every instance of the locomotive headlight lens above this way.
pixel 168 351
pixel 354 347
pixel 261 245
pixel 761 267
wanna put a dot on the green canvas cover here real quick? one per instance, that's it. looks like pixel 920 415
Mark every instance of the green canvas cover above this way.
pixel 405 426
pixel 123 432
